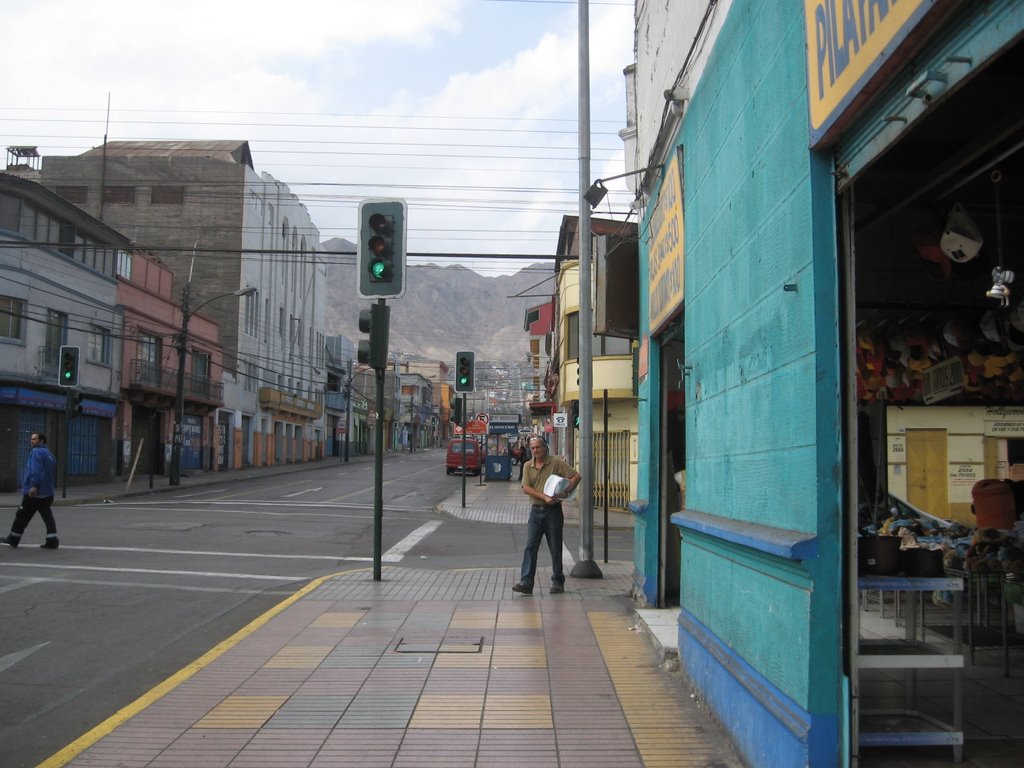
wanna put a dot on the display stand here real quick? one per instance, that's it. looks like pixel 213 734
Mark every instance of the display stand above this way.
pixel 907 726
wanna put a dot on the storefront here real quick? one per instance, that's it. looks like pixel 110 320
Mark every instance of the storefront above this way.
pixel 930 194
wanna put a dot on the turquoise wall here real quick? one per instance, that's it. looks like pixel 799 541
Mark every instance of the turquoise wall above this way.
pixel 763 400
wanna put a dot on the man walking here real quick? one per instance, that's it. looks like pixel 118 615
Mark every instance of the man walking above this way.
pixel 546 517
pixel 38 488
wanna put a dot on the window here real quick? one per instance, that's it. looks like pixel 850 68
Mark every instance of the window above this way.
pixel 124 265
pixel 98 350
pixel 201 365
pixel 252 314
pixel 167 196
pixel 67 238
pixel 280 323
pixel 612 345
pixel 10 212
pixel 56 334
pixel 149 349
pixel 12 314
pixel 76 195
pixel 572 336
pixel 119 195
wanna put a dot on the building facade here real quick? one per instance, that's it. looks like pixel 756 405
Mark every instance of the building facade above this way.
pixel 802 168
pixel 221 227
pixel 58 287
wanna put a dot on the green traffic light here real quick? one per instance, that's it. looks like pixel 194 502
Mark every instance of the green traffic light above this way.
pixel 377 269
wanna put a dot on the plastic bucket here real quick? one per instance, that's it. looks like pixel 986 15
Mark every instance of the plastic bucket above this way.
pixel 994 505
pixel 878 556
pixel 924 563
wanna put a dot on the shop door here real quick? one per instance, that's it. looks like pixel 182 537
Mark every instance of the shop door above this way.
pixel 928 470
pixel 145 441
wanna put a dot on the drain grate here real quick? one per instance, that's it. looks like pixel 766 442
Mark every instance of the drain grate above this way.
pixel 425 645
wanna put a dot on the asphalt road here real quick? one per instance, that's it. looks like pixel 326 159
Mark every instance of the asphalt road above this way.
pixel 142 587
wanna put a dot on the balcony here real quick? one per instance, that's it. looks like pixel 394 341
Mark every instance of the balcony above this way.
pixel 291 404
pixel 335 401
pixel 151 377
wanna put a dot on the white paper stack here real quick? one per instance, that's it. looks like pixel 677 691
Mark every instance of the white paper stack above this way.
pixel 555 485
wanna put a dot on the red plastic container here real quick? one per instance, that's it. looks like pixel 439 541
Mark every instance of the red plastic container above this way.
pixel 994 505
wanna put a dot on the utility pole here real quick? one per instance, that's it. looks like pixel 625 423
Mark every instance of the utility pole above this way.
pixel 586 567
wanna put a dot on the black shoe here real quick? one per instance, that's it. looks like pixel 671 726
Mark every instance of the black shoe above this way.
pixel 557 589
pixel 10 541
pixel 523 589
pixel 50 544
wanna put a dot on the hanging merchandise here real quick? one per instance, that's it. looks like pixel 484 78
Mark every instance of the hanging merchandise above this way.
pixel 961 240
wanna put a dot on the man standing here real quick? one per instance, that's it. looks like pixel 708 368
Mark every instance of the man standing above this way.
pixel 38 488
pixel 546 517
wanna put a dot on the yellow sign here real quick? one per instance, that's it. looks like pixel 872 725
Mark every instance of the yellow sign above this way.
pixel 665 252
pixel 847 41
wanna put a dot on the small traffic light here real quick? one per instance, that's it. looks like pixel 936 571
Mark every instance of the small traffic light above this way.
pixel 73 405
pixel 381 250
pixel 457 410
pixel 68 374
pixel 465 363
pixel 576 414
pixel 374 321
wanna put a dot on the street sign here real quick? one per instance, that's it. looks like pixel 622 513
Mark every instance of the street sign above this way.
pixel 476 427
pixel 560 419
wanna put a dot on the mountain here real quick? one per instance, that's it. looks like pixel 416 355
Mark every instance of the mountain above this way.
pixel 444 310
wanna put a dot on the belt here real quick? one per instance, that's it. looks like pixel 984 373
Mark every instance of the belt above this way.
pixel 546 506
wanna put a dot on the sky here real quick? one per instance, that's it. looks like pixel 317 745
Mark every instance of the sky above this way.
pixel 466 109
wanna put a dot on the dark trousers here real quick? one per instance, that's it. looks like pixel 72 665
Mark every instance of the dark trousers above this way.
pixel 29 506
pixel 544 522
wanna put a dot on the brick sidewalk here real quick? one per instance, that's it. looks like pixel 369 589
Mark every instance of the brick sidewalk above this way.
pixel 423 668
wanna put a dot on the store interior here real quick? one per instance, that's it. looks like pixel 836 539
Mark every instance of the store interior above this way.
pixel 938 267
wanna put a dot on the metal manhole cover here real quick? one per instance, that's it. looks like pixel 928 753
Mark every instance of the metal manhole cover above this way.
pixel 420 645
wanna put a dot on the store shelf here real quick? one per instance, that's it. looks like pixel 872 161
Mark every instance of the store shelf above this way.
pixel 909 727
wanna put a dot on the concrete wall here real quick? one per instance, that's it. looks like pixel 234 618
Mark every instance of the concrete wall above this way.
pixel 760 628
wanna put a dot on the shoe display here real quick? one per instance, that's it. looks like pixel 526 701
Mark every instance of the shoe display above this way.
pixel 10 541
pixel 50 544
pixel 523 589
pixel 557 589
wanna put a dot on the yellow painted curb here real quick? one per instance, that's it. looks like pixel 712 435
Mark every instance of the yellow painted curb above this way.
pixel 86 740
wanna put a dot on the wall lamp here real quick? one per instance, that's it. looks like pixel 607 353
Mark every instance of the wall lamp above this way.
pixel 597 190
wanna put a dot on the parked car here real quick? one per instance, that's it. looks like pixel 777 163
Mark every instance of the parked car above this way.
pixel 455 461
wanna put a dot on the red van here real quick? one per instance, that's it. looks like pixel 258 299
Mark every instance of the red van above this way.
pixel 454 462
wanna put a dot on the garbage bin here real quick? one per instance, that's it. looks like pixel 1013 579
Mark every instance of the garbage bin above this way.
pixel 499 467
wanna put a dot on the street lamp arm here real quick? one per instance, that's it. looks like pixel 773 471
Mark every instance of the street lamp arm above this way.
pixel 248 291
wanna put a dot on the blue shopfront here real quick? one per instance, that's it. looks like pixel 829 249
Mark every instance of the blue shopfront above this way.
pixel 84 451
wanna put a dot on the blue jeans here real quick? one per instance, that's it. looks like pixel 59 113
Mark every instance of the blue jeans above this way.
pixel 546 522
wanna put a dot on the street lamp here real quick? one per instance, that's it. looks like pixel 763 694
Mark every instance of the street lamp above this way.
pixel 179 393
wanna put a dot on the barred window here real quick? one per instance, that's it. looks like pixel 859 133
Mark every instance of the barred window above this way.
pixel 119 195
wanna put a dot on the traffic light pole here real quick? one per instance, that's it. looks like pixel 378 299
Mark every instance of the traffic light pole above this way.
pixel 463 451
pixel 378 472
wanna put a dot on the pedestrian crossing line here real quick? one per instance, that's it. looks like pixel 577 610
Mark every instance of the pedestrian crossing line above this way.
pixel 299 657
pixel 242 712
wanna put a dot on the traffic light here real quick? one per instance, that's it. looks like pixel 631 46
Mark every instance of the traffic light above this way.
pixel 576 414
pixel 464 371
pixel 374 321
pixel 73 404
pixel 381 250
pixel 68 375
pixel 457 411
